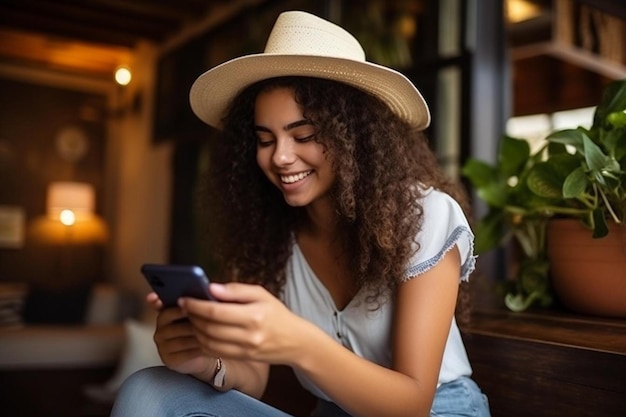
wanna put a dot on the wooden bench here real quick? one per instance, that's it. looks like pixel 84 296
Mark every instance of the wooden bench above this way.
pixel 548 363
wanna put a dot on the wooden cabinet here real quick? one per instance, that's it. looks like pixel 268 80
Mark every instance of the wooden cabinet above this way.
pixel 549 364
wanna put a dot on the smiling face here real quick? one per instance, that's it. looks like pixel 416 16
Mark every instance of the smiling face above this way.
pixel 287 151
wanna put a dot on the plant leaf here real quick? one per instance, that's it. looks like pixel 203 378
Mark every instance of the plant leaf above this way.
pixel 517 302
pixel 494 194
pixel 595 158
pixel 575 184
pixel 488 232
pixel 555 148
pixel 479 173
pixel 544 180
pixel 513 155
pixel 613 100
pixel 572 137
pixel 617 118
pixel 615 143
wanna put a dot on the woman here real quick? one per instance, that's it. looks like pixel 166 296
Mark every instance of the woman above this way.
pixel 344 243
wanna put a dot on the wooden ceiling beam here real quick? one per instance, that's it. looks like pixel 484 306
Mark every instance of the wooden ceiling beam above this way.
pixel 155 9
pixel 68 31
pixel 111 25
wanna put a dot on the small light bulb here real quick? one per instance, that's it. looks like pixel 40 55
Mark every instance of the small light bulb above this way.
pixel 123 75
pixel 67 217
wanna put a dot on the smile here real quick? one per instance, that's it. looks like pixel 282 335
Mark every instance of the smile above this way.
pixel 290 179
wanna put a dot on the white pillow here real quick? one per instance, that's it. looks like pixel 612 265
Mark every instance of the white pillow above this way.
pixel 139 352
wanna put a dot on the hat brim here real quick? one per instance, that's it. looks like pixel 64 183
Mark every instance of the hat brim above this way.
pixel 213 91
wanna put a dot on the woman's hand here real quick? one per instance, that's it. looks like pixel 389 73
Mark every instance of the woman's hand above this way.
pixel 176 342
pixel 247 323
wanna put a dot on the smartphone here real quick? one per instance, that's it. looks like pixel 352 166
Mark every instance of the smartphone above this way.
pixel 171 282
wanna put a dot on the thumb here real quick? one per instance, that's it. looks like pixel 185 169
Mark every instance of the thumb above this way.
pixel 237 292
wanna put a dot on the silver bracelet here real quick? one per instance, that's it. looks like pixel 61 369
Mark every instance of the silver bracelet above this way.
pixel 220 374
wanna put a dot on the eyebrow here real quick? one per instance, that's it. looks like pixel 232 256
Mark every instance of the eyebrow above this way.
pixel 287 127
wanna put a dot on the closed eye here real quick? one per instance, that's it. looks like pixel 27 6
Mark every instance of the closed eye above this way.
pixel 264 138
pixel 305 138
pixel 301 131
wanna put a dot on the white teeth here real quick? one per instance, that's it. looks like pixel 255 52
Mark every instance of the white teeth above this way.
pixel 290 179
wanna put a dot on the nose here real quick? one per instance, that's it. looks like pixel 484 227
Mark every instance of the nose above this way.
pixel 284 152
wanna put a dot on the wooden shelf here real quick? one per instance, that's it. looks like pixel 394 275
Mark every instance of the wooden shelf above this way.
pixel 563 58
pixel 572 55
pixel 554 327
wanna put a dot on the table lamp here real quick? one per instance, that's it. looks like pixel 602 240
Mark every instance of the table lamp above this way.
pixel 70 202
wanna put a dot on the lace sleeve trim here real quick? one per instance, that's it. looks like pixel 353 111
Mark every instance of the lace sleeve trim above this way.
pixel 467 267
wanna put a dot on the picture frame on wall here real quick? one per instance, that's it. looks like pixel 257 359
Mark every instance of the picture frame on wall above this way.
pixel 12 224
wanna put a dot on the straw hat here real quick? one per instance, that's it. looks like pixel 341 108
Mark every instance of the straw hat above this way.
pixel 302 44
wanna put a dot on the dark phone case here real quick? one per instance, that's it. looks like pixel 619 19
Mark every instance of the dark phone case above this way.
pixel 171 282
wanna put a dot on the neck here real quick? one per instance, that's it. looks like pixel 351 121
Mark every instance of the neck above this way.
pixel 321 220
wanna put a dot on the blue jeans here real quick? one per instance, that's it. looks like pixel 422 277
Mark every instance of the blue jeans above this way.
pixel 159 392
pixel 458 398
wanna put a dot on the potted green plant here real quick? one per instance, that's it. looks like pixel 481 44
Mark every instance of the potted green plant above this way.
pixel 578 174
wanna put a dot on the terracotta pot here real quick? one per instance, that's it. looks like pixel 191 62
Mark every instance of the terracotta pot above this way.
pixel 588 275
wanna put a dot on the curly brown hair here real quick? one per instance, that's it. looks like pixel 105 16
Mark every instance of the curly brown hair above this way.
pixel 379 161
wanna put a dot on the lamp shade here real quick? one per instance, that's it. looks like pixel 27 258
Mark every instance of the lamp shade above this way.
pixel 77 197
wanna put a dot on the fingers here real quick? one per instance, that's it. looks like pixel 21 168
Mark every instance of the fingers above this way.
pixel 235 292
pixel 220 326
pixel 177 344
pixel 224 313
pixel 247 322
pixel 226 349
pixel 237 303
pixel 233 300
pixel 188 361
pixel 154 301
pixel 170 315
pixel 180 344
pixel 228 340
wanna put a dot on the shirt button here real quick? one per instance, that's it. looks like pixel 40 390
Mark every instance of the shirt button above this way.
pixel 339 335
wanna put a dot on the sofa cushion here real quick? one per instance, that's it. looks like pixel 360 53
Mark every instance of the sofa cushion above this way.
pixel 98 342
pixel 139 352
pixel 60 346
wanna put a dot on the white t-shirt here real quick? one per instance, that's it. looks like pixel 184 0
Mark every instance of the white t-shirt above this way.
pixel 368 333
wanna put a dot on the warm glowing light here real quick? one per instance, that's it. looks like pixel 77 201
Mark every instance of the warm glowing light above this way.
pixel 74 197
pixel 45 230
pixel 123 75
pixel 67 217
pixel 520 10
